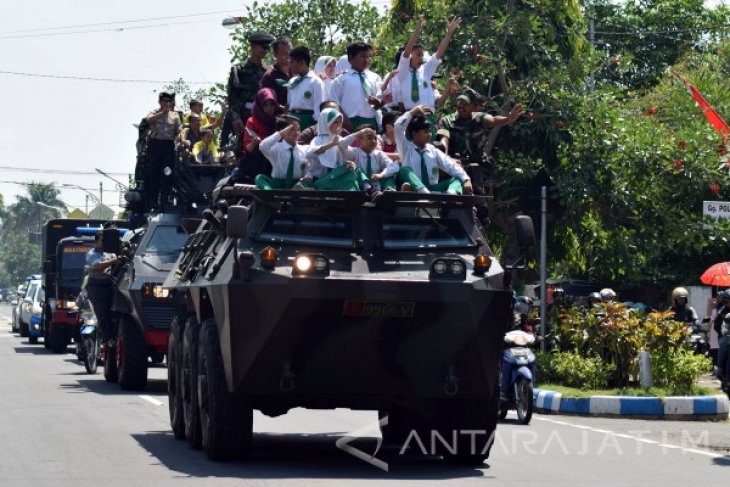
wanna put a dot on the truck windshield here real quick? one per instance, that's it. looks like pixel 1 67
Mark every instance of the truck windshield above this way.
pixel 333 231
pixel 425 233
pixel 166 240
pixel 73 259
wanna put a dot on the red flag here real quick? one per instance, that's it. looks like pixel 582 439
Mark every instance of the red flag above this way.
pixel 710 114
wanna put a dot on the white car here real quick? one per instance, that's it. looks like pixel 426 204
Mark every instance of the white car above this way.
pixel 25 307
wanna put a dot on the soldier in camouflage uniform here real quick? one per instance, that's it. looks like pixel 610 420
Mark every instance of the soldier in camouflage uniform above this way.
pixel 464 133
pixel 244 82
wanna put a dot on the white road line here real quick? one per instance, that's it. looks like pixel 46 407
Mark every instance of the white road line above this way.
pixel 635 438
pixel 152 400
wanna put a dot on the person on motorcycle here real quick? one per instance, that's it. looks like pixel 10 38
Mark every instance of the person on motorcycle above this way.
pixel 594 299
pixel 607 295
pixel 99 285
pixel 683 312
pixel 523 306
pixel 721 328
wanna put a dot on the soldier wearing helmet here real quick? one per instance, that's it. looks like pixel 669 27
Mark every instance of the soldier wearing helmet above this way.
pixel 593 299
pixel 607 295
pixel 682 310
pixel 719 325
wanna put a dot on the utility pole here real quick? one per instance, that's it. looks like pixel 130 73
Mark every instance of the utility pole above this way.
pixel 101 193
pixel 543 267
pixel 87 204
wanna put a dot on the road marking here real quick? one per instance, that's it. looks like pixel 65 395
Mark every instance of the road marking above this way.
pixel 152 400
pixel 632 437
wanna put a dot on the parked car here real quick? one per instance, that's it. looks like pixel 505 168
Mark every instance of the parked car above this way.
pixel 35 328
pixel 25 307
pixel 15 303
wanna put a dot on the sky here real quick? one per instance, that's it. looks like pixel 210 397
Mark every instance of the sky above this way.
pixel 57 128
pixel 77 126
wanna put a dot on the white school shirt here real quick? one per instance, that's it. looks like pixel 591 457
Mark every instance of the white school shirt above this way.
pixel 317 168
pixel 307 94
pixel 379 162
pixel 424 74
pixel 435 159
pixel 276 150
pixel 394 89
pixel 347 90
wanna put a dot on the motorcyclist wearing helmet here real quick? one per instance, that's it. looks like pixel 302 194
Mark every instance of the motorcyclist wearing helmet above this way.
pixel 594 299
pixel 683 312
pixel 608 295
pixel 722 330
pixel 523 306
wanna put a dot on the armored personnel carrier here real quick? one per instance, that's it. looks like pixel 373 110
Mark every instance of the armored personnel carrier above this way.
pixel 142 309
pixel 325 300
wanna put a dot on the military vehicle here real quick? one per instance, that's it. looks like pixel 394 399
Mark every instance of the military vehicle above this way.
pixel 65 244
pixel 142 309
pixel 322 299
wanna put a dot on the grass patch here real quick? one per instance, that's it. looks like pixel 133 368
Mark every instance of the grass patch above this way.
pixel 629 391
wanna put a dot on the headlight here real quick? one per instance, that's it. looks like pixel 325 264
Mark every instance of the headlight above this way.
pixel 448 268
pixel 316 265
pixel 303 263
pixel 160 293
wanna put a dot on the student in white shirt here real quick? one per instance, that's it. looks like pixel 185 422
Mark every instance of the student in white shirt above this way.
pixel 421 161
pixel 414 77
pixel 306 89
pixel 377 171
pixel 289 163
pixel 329 169
pixel 357 90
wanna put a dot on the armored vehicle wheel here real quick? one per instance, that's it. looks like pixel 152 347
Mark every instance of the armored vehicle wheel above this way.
pixel 111 374
pixel 226 420
pixel 131 355
pixel 189 382
pixel 174 399
pixel 58 339
pixel 466 414
pixel 33 340
pixel 399 426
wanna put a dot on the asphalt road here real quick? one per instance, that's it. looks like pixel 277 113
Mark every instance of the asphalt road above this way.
pixel 62 427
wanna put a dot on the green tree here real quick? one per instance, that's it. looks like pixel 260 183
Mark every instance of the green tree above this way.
pixel 324 26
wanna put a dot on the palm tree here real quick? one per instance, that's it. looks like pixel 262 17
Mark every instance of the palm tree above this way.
pixel 28 211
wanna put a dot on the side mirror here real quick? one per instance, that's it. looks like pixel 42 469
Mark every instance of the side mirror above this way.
pixel 14 302
pixel 237 224
pixel 525 232
pixel 27 300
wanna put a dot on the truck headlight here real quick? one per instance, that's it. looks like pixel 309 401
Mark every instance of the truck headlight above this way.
pixel 311 265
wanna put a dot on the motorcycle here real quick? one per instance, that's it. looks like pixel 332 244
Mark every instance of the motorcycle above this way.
pixel 91 341
pixel 700 338
pixel 518 372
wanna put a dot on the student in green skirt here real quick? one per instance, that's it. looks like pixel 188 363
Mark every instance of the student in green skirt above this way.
pixel 329 169
pixel 289 163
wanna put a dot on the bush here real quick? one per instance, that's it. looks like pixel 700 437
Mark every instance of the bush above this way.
pixel 574 370
pixel 679 370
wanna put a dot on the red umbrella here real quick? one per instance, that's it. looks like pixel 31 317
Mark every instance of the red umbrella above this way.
pixel 717 275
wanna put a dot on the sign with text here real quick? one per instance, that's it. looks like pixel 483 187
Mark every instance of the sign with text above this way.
pixel 716 209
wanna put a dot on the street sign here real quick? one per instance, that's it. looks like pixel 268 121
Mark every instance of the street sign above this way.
pixel 716 209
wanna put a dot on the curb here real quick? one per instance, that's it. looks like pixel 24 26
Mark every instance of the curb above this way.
pixel 693 408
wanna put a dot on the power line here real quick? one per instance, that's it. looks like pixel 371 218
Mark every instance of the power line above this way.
pixel 111 29
pixel 105 80
pixel 96 24
pixel 58 171
pixel 662 32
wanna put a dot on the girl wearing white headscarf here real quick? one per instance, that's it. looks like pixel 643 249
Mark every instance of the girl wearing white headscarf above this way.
pixel 325 69
pixel 328 166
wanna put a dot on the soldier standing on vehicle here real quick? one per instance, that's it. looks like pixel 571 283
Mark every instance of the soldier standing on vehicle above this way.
pixel 165 126
pixel 99 286
pixel 244 81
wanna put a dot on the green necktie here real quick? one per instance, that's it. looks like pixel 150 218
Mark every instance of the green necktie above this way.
pixel 365 88
pixel 414 87
pixel 293 84
pixel 424 168
pixel 369 167
pixel 290 170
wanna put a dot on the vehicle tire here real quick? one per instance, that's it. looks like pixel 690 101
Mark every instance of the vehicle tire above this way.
pixel 189 382
pixel 131 355
pixel 33 340
pixel 111 374
pixel 24 330
pixel 226 420
pixel 58 339
pixel 502 414
pixel 14 324
pixel 399 426
pixel 174 399
pixel 157 357
pixel 523 400
pixel 91 360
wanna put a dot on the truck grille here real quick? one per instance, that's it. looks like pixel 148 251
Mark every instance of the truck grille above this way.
pixel 158 317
